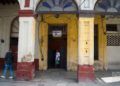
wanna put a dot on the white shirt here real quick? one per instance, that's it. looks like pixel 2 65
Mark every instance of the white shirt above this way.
pixel 57 56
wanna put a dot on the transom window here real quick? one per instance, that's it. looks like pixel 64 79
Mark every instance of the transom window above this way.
pixel 108 6
pixel 56 5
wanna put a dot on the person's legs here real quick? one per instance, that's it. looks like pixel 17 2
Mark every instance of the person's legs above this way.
pixel 4 71
pixel 11 71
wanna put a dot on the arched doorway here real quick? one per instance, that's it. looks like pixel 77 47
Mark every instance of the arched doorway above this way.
pixel 14 38
pixel 58 16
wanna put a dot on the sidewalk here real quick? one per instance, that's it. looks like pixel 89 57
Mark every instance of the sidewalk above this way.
pixel 60 78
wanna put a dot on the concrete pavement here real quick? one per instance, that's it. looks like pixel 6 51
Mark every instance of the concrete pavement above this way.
pixel 60 78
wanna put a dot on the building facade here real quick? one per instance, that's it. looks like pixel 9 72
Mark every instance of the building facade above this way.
pixel 85 32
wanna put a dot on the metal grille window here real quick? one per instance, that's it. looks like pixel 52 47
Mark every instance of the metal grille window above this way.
pixel 113 39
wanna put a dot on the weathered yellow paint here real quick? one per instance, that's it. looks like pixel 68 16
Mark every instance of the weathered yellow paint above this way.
pixel 104 44
pixel 72 38
pixel 86 40
pixel 102 40
pixel 43 45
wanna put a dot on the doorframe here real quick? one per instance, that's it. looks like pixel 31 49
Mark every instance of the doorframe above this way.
pixel 64 25
pixel 102 41
pixel 72 22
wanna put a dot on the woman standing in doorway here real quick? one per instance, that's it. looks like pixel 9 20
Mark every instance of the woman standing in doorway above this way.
pixel 57 59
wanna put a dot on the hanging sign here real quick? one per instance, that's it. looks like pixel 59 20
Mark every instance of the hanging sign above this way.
pixel 57 33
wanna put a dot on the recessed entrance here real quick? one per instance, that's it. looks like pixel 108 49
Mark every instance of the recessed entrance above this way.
pixel 69 41
pixel 96 57
pixel 57 41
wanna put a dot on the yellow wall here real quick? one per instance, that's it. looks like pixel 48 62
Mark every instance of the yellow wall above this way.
pixel 102 40
pixel 72 38
pixel 43 45
pixel 86 40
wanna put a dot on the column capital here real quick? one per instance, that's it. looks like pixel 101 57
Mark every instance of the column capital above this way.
pixel 26 13
pixel 86 15
pixel 87 4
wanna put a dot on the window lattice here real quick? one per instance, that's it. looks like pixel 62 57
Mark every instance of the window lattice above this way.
pixel 113 39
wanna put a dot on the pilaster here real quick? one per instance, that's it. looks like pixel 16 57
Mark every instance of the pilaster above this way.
pixel 86 48
pixel 26 44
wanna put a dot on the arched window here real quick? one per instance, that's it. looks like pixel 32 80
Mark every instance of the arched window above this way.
pixel 56 5
pixel 15 28
pixel 108 6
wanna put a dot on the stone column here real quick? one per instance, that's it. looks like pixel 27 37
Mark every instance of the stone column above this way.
pixel 26 45
pixel 86 48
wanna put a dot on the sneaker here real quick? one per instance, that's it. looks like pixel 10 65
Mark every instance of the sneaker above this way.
pixel 2 77
pixel 11 77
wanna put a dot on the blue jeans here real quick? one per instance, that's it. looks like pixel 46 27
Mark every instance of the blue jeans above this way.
pixel 6 67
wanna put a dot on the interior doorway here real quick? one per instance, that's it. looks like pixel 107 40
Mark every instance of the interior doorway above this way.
pixel 96 57
pixel 57 41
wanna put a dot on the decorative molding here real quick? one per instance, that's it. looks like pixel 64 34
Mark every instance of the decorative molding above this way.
pixel 26 13
pixel 87 4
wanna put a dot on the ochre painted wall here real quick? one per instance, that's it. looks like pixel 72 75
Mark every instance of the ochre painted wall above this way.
pixel 72 39
pixel 43 45
pixel 86 40
pixel 102 41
